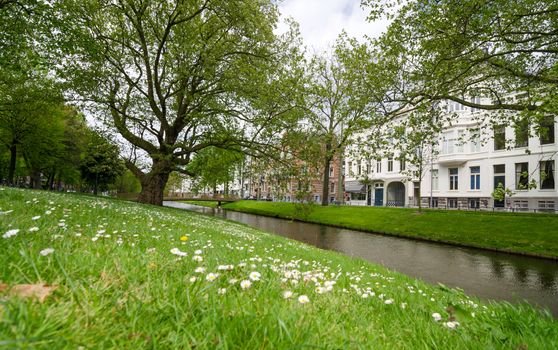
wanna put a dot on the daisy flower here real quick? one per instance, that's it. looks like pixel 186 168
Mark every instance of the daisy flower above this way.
pixel 10 233
pixel 245 284
pixel 211 277
pixel 255 276
pixel 46 251
pixel 287 294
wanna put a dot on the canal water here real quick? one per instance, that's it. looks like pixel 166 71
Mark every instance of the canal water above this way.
pixel 488 275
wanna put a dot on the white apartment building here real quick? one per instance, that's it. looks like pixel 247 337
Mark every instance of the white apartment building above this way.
pixel 464 171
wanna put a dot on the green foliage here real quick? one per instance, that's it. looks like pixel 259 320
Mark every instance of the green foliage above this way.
pixel 126 183
pixel 214 166
pixel 500 193
pixel 175 77
pixel 101 164
pixel 458 50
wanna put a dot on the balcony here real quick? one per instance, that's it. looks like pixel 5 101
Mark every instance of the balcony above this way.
pixel 452 159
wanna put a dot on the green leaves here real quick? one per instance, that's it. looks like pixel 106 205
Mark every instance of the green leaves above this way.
pixel 449 50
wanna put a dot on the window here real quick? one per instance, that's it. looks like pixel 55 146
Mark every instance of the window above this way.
pixel 434 203
pixel 546 130
pixel 402 163
pixel 522 133
pixel 547 175
pixel 475 143
pixel 390 164
pixel 350 168
pixel 359 168
pixel 521 176
pixel 358 196
pixel 331 171
pixel 452 202
pixel 378 165
pixel 549 205
pixel 475 100
pixel 499 180
pixel 435 183
pixel 455 107
pixel 332 187
pixel 475 178
pixel 460 140
pixel 500 169
pixel 368 167
pixel 474 203
pixel 448 142
pixel 521 204
pixel 454 178
pixel 499 137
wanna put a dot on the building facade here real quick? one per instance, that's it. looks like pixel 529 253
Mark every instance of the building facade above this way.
pixel 465 169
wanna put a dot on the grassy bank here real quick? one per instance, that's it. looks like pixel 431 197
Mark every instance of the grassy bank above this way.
pixel 117 274
pixel 210 204
pixel 535 234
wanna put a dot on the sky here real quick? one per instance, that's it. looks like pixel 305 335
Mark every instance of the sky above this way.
pixel 321 21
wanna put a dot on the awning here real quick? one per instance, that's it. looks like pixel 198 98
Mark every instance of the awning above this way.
pixel 355 187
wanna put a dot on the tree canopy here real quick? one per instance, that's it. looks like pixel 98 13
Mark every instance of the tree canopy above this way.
pixel 177 77
pixel 504 51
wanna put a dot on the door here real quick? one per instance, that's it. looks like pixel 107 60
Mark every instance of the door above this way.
pixel 497 180
pixel 379 197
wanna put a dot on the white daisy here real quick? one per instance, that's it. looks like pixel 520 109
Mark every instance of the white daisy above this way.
pixel 255 276
pixel 287 294
pixel 46 251
pixel 245 284
pixel 10 233
pixel 211 277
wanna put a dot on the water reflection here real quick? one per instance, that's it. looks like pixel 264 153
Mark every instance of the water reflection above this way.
pixel 486 274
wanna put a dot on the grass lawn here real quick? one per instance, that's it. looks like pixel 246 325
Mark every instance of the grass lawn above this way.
pixel 211 204
pixel 114 274
pixel 517 232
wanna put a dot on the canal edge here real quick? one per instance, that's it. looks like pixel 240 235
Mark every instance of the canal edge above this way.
pixel 423 239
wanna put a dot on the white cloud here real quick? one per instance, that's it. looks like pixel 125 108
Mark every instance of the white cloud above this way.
pixel 321 21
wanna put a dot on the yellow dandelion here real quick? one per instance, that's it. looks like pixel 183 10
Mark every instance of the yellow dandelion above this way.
pixel 184 238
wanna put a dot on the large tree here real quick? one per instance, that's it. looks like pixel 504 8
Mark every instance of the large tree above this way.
pixel 176 77
pixel 28 97
pixel 339 106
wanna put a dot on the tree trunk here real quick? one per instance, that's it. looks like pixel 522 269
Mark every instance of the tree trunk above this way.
pixel 325 186
pixel 36 180
pixel 419 197
pixel 11 169
pixel 153 187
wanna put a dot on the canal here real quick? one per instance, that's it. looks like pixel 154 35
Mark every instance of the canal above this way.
pixel 488 275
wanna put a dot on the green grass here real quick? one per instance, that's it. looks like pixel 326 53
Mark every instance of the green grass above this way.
pixel 535 234
pixel 120 287
pixel 210 204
